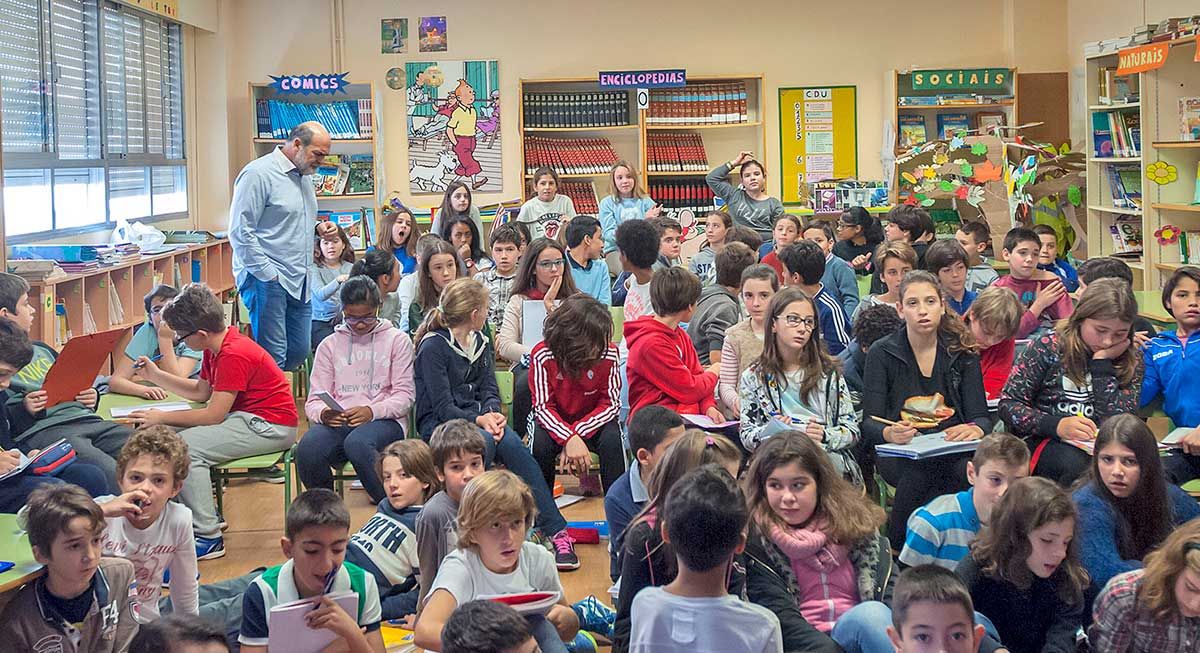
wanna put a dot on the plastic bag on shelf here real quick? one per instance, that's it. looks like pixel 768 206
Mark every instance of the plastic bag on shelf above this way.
pixel 144 236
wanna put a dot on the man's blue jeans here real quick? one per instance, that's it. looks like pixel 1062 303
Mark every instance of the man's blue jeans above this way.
pixel 280 323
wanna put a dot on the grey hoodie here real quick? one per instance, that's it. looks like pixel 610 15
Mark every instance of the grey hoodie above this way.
pixel 716 310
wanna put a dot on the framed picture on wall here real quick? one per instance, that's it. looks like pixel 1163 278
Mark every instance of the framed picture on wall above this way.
pixel 987 121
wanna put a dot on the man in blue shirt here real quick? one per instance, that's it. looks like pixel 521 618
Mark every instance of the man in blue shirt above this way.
pixel 270 228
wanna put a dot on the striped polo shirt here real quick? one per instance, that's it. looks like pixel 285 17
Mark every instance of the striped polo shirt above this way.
pixel 940 532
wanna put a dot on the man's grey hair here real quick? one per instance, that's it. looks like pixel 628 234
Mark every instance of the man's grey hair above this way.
pixel 305 132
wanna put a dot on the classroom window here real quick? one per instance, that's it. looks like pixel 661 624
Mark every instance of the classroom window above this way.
pixel 92 115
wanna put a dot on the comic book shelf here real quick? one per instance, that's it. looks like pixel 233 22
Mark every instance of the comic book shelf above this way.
pixel 1162 147
pixel 368 144
pixel 632 140
pixel 112 296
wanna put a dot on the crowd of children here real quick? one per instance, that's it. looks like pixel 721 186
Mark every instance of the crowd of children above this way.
pixel 1063 521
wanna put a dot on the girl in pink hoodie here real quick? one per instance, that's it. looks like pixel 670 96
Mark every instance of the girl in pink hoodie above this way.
pixel 360 392
pixel 815 534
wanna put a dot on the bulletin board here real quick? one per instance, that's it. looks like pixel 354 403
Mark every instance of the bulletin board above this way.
pixel 818 137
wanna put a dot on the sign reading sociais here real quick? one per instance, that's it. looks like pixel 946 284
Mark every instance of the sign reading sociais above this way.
pixel 643 79
pixel 1142 58
pixel 962 78
pixel 310 84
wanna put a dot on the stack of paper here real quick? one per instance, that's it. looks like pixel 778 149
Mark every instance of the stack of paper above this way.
pixel 926 446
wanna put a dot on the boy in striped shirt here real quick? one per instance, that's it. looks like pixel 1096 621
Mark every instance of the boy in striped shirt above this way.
pixel 940 532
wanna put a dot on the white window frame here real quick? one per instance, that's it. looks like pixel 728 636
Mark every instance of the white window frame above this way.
pixel 171 83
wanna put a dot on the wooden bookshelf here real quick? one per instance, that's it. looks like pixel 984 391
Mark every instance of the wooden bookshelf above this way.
pixel 342 146
pixel 902 86
pixel 1160 91
pixel 126 283
pixel 721 141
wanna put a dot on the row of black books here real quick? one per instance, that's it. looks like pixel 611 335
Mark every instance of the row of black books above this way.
pixel 675 152
pixel 569 155
pixel 344 119
pixel 583 196
pixel 580 110
pixel 698 104
pixel 679 195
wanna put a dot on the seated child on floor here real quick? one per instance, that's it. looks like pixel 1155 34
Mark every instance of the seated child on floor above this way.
pixel 156 340
pixel 457 449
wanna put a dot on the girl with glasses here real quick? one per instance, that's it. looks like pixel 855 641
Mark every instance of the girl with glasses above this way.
pixel 360 393
pixel 795 385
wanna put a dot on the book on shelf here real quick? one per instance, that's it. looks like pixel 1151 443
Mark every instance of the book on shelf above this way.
pixel 369 225
pixel 1116 89
pixel 569 155
pixel 1125 186
pixel 1126 233
pixel 717 103
pixel 1116 133
pixel 350 222
pixel 1189 118
pixel 911 131
pixel 362 174
pixel 951 100
pixel 89 320
pixel 579 110
pixel 582 194
pixel 675 152
pixel 62 332
pixel 343 119
pixel 679 195
pixel 1189 247
pixel 116 309
pixel 950 124
pixel 331 177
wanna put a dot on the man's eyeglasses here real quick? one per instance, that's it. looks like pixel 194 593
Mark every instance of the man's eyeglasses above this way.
pixel 795 321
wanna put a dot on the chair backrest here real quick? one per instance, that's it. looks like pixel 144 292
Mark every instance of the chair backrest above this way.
pixel 618 318
pixel 504 379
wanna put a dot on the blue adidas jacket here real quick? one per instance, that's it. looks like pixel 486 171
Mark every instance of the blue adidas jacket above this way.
pixel 1170 369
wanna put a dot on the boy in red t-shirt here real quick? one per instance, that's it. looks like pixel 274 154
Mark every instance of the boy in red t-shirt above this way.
pixel 250 408
pixel 994 318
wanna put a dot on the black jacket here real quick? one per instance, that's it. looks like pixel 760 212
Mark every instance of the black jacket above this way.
pixel 451 387
pixel 891 376
pixel 1035 620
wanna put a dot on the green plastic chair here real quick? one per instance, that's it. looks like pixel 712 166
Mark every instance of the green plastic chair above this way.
pixel 504 379
pixel 618 320
pixel 1192 487
pixel 262 467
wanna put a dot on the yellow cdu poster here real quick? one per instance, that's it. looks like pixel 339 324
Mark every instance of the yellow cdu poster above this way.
pixel 818 137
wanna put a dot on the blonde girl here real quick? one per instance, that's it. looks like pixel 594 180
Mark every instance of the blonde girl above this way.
pixel 455 369
pixel 625 201
pixel 795 384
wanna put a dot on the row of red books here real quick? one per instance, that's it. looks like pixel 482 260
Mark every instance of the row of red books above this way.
pixel 704 104
pixel 569 155
pixel 676 152
pixel 679 195
pixel 582 194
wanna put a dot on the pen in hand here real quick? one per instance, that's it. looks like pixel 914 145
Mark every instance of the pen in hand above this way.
pixel 139 365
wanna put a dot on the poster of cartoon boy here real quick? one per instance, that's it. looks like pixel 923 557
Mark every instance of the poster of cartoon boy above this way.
pixel 453 125
pixel 461 133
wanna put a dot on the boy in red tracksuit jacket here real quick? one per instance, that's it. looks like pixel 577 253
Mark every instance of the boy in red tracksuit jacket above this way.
pixel 663 368
pixel 575 382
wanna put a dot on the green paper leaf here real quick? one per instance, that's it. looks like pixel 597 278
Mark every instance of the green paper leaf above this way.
pixel 979 149
pixel 946 186
pixel 920 196
pixel 967 170
pixel 1074 195
pixel 927 202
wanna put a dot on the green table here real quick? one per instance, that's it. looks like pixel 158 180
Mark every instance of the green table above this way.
pixel 14 547
pixel 111 401
pixel 1150 307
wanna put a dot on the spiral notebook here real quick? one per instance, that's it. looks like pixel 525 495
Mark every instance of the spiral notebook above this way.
pixel 290 632
pixel 929 445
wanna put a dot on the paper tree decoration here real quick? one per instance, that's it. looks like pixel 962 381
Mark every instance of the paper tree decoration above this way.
pixel 1161 173
pixel 1168 234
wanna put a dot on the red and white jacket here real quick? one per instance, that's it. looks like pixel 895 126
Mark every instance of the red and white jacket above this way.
pixel 581 406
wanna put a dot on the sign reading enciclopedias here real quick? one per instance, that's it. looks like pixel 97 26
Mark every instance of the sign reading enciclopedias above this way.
pixel 672 78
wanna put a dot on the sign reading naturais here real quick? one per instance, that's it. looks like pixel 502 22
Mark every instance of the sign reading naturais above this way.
pixel 964 78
